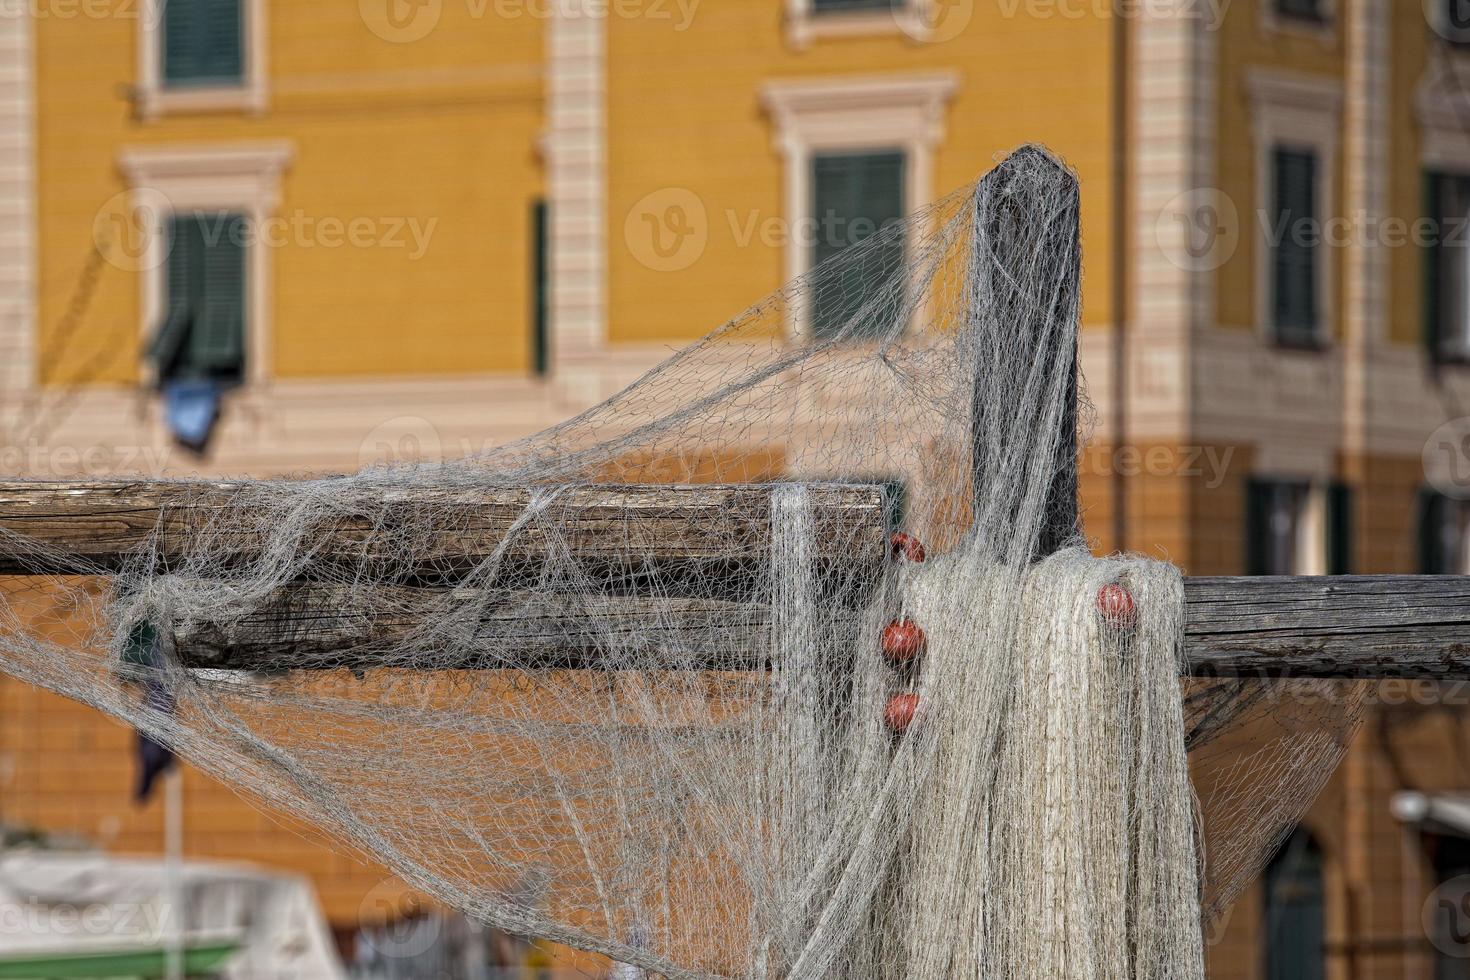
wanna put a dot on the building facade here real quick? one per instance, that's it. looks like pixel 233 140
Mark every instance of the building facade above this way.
pixel 305 237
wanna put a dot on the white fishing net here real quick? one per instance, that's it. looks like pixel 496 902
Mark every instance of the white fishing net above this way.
pixel 657 683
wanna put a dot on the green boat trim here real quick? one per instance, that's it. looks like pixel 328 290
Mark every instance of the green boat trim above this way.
pixel 146 963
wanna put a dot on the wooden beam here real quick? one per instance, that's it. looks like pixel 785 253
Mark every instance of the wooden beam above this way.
pixel 311 626
pixel 665 531
pixel 1352 626
pixel 1366 627
pixel 1356 626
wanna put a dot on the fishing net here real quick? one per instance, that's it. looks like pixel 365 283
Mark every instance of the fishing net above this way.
pixel 659 683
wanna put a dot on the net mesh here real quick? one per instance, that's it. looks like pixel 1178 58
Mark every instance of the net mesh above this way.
pixel 656 683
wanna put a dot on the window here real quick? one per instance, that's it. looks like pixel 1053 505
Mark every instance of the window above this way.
pixel 1447 266
pixel 1294 924
pixel 807 21
pixel 856 196
pixel 203 42
pixel 201 56
pixel 202 333
pixel 1295 247
pixel 1444 534
pixel 869 141
pixel 1296 527
pixel 1301 9
pixel 1296 123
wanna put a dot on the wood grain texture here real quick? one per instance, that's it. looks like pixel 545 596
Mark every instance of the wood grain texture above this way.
pixel 1356 626
pixel 81 528
pixel 322 627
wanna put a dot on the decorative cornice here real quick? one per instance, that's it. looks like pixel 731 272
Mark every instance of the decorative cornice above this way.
pixel 1294 89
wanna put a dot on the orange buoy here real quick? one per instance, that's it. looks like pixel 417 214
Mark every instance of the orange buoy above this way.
pixel 903 641
pixel 900 712
pixel 1116 605
pixel 906 547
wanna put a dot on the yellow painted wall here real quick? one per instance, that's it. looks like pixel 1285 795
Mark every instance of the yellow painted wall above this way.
pixel 684 110
pixel 441 130
pixel 1246 42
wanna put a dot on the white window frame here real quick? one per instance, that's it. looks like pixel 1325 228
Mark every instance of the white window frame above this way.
pixel 154 98
pixel 1298 112
pixel 913 19
pixel 243 179
pixel 1324 31
pixel 853 115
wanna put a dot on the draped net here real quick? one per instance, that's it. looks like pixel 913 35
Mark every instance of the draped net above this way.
pixel 678 737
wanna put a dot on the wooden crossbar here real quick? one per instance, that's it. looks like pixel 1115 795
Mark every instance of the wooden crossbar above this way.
pixel 1383 626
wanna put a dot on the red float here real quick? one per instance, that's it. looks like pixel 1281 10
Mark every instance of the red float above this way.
pixel 900 712
pixel 1116 605
pixel 903 641
pixel 906 547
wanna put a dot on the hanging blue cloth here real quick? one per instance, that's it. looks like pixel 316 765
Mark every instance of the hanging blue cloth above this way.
pixel 191 408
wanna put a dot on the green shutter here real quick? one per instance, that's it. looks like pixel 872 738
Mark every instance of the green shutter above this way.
pixel 202 41
pixel 1258 495
pixel 1294 261
pixel 1433 259
pixel 218 345
pixel 171 335
pixel 1339 521
pixel 854 195
pixel 1430 513
pixel 540 286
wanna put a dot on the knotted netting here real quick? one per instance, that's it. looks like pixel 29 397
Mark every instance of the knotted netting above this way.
pixel 659 683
